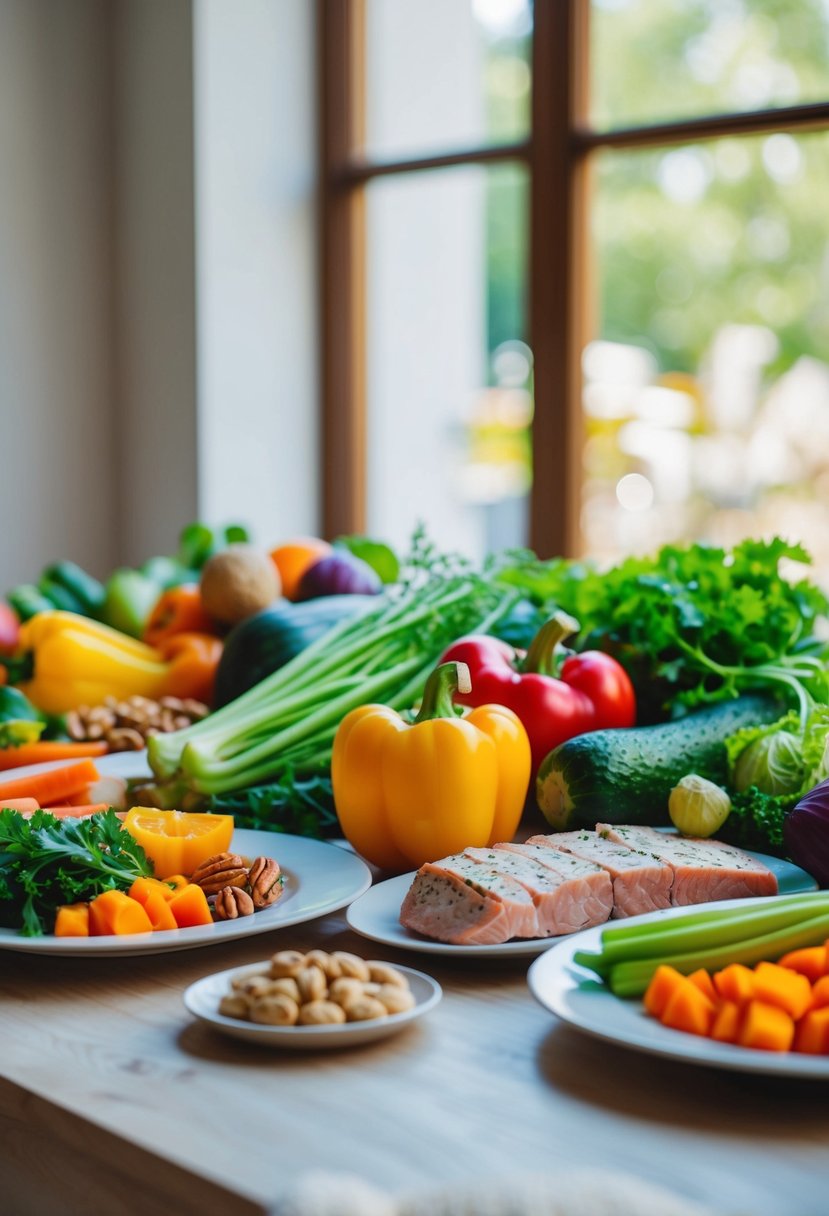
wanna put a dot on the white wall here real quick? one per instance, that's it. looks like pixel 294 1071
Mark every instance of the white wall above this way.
pixel 57 480
pixel 156 445
pixel 256 235
pixel 149 375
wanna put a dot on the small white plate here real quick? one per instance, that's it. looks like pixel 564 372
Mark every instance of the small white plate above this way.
pixel 319 878
pixel 202 1000
pixel 579 998
pixel 376 915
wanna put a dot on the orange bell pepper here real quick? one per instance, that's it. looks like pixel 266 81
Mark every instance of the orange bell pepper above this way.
pixel 193 659
pixel 178 610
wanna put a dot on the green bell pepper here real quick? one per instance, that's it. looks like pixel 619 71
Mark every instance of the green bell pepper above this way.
pixel 130 598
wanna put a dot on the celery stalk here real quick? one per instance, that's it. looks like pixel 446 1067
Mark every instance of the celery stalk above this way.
pixel 632 978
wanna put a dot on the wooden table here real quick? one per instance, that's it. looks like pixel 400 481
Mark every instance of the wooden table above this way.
pixel 112 1099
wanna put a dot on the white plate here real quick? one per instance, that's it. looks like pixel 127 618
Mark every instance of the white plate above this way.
pixel 575 995
pixel 113 764
pixel 376 915
pixel 202 1000
pixel 319 878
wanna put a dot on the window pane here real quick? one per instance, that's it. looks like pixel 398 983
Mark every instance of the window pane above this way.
pixel 449 371
pixel 445 74
pixel 707 392
pixel 653 61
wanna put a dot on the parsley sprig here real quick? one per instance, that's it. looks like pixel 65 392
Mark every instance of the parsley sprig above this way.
pixel 696 624
pixel 46 862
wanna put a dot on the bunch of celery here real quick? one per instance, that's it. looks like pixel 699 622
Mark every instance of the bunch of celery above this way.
pixel 738 933
pixel 283 727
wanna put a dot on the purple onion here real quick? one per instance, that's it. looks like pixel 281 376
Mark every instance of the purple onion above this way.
pixel 806 833
pixel 338 574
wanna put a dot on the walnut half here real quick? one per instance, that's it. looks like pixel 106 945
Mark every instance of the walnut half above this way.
pixel 265 882
pixel 232 902
pixel 221 870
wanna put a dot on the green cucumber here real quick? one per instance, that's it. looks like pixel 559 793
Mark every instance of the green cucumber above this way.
pixel 625 776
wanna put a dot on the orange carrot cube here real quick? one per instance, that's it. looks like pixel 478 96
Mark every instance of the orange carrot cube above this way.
pixel 662 985
pixel 820 992
pixel 727 1020
pixel 705 984
pixel 782 987
pixel 116 912
pixel 72 920
pixel 766 1027
pixel 688 1009
pixel 811 961
pixel 190 907
pixel 735 983
pixel 812 1033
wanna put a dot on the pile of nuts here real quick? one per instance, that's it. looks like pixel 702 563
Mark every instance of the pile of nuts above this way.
pixel 317 989
pixel 235 888
pixel 127 725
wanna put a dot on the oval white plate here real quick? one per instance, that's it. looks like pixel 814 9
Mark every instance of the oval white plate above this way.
pixel 376 915
pixel 319 878
pixel 575 995
pixel 202 1000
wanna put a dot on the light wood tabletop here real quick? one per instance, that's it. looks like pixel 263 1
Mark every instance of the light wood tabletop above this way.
pixel 114 1099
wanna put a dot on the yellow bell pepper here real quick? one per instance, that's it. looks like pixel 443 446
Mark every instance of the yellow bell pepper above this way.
pixel 409 793
pixel 69 660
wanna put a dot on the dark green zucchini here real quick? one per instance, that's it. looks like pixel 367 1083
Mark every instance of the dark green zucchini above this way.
pixel 625 776
pixel 268 640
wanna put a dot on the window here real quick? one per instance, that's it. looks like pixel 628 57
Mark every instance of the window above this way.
pixel 575 271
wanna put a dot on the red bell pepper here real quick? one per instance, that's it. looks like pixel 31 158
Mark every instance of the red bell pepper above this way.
pixel 555 700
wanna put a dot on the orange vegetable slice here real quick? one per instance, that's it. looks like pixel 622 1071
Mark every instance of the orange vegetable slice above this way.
pixel 190 907
pixel 735 983
pixel 72 920
pixel 782 987
pixel 688 1009
pixel 810 961
pixel 766 1027
pixel 812 1033
pixel 178 841
pixel 727 1019
pixel 116 912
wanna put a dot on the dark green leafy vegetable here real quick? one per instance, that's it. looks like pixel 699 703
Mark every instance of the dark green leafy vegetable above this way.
pixel 46 862
pixel 694 624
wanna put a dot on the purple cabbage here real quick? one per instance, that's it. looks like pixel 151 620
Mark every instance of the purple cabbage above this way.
pixel 806 833
pixel 338 574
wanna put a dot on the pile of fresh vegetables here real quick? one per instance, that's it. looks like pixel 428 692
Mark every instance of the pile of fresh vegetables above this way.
pixel 695 662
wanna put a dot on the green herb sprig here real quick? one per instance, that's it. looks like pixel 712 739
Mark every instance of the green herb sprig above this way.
pixel 46 862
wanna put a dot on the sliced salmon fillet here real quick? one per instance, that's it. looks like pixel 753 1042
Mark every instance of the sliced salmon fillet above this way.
pixel 458 899
pixel 641 882
pixel 563 902
pixel 585 892
pixel 703 869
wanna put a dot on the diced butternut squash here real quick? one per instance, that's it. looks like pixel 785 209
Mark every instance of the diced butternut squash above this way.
pixel 72 920
pixel 154 897
pixel 705 984
pixel 661 988
pixel 766 1027
pixel 688 1009
pixel 782 987
pixel 820 993
pixel 115 912
pixel 190 907
pixel 812 1033
pixel 727 1020
pixel 811 961
pixel 735 983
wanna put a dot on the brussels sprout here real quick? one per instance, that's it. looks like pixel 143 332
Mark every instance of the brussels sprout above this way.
pixel 774 764
pixel 698 807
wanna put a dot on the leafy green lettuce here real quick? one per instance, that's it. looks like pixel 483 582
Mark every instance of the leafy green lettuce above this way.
pixel 770 769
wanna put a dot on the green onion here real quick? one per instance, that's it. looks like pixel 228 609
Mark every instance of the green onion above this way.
pixel 285 725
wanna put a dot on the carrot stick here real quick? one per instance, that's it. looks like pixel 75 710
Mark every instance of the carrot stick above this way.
pixel 76 812
pixel 26 806
pixel 53 785
pixel 48 749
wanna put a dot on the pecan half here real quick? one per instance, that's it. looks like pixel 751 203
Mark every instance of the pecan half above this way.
pixel 265 882
pixel 232 902
pixel 221 870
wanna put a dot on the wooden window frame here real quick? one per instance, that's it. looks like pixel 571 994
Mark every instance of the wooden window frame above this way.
pixel 558 154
